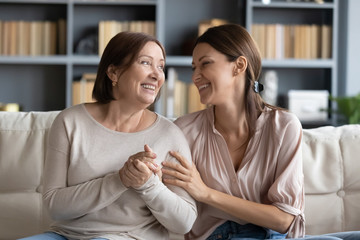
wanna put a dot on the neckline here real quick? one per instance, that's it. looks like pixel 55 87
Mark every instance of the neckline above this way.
pixel 259 121
pixel 93 120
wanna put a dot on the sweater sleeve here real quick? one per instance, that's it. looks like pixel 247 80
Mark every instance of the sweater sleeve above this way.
pixel 174 211
pixel 66 202
pixel 287 191
pixel 172 206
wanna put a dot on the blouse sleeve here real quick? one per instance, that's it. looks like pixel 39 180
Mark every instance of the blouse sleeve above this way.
pixel 287 191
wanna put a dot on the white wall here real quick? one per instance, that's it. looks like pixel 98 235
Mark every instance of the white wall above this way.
pixel 349 47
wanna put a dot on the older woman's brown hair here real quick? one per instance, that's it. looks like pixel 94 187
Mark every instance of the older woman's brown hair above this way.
pixel 121 51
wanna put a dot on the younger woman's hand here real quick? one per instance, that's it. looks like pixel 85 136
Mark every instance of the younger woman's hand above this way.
pixel 185 175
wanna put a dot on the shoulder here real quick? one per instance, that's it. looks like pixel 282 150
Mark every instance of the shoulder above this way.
pixel 172 136
pixel 167 125
pixel 286 125
pixel 281 119
pixel 70 114
pixel 192 120
pixel 71 111
pixel 288 120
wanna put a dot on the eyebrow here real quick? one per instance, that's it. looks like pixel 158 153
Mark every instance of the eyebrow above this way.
pixel 150 57
pixel 201 58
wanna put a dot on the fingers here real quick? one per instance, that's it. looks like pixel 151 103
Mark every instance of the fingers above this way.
pixel 135 173
pixel 147 148
pixel 148 157
pixel 137 166
pixel 183 176
pixel 183 161
pixel 152 166
pixel 145 154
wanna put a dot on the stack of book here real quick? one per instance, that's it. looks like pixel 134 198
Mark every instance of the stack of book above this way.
pixel 278 41
pixel 32 38
pixel 82 89
pixel 108 29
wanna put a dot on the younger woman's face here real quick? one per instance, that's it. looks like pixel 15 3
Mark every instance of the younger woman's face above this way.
pixel 213 75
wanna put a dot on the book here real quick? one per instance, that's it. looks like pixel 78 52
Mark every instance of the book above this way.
pixel 82 89
pixel 205 24
pixel 170 85
pixel 279 41
pixel 270 45
pixel 5 39
pixel 326 33
pixel 49 38
pixel 288 41
pixel 194 103
pixel 180 98
pixel 36 38
pixel 61 35
pixel 315 41
pixel 109 28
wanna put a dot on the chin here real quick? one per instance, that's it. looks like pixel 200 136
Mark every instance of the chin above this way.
pixel 204 101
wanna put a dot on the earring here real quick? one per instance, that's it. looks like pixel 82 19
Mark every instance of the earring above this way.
pixel 235 73
pixel 114 83
pixel 258 87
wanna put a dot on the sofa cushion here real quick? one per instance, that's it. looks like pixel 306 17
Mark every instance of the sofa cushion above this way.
pixel 331 161
pixel 22 155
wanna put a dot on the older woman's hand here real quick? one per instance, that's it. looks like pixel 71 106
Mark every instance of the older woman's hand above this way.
pixel 185 175
pixel 139 168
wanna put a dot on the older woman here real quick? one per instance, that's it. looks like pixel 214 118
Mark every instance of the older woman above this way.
pixel 102 178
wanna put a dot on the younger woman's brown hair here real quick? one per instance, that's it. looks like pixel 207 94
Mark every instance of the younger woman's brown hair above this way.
pixel 234 41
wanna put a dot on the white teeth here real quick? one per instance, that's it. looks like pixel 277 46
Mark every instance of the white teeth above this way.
pixel 203 86
pixel 148 86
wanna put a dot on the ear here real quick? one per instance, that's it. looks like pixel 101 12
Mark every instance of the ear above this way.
pixel 111 73
pixel 241 64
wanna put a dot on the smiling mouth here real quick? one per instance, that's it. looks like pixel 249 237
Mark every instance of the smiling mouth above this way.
pixel 203 86
pixel 147 86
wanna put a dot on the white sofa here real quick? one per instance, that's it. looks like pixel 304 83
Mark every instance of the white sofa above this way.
pixel 331 168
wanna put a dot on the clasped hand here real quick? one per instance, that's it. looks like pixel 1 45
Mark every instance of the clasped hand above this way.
pixel 139 168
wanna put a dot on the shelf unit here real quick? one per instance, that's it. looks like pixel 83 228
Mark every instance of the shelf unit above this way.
pixel 312 74
pixel 44 83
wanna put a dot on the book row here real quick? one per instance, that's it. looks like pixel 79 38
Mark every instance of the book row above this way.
pixel 278 41
pixel 32 38
pixel 108 29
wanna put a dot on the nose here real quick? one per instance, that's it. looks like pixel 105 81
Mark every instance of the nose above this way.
pixel 196 76
pixel 157 73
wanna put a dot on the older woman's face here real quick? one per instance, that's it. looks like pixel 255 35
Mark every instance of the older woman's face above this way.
pixel 143 80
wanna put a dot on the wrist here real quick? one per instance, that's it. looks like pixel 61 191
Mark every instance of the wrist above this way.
pixel 206 195
pixel 121 179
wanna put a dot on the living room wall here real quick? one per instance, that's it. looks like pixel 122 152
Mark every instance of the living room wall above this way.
pixel 349 48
